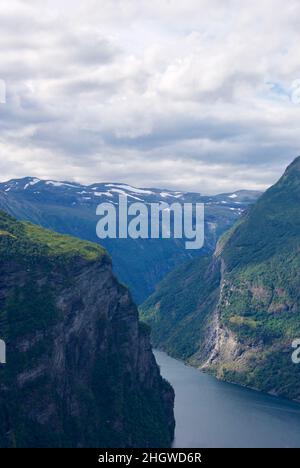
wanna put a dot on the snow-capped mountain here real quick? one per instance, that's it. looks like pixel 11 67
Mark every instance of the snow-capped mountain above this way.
pixel 36 189
pixel 70 208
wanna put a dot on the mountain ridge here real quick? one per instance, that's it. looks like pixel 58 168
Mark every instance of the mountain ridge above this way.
pixel 70 208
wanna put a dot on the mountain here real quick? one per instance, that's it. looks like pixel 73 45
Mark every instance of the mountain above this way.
pixel 70 208
pixel 80 371
pixel 236 314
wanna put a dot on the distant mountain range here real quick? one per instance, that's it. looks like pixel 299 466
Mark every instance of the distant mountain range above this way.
pixel 236 313
pixel 70 208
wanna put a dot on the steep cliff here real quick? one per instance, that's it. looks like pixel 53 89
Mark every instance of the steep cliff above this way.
pixel 237 313
pixel 80 370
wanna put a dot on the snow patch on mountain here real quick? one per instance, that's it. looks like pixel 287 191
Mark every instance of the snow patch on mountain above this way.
pixel 129 188
pixel 31 183
pixel 59 184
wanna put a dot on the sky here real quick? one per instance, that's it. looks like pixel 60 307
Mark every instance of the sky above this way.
pixel 200 95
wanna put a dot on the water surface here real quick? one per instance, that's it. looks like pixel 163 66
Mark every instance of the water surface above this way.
pixel 210 413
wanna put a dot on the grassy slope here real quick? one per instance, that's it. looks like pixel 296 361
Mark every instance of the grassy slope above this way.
pixel 21 238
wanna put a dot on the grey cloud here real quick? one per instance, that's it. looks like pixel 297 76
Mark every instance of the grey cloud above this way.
pixel 150 93
pixel 89 49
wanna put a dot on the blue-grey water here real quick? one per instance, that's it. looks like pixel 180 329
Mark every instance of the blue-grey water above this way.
pixel 210 413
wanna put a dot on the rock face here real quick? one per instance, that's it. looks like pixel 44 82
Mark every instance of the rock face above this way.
pixel 80 370
pixel 237 313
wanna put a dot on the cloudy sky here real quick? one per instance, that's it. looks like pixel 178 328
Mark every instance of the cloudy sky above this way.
pixel 195 95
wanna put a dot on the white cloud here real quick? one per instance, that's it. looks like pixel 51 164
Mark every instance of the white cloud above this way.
pixel 195 95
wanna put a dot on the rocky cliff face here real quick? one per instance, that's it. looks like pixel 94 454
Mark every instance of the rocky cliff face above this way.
pixel 237 313
pixel 80 370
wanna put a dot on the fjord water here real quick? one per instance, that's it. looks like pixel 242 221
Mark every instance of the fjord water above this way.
pixel 211 413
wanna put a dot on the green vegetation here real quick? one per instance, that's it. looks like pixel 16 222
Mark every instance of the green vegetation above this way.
pixel 178 311
pixel 139 263
pixel 69 380
pixel 258 301
pixel 58 244
pixel 28 240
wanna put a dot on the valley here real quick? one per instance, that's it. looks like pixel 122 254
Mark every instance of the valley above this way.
pixel 70 208
pixel 231 311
